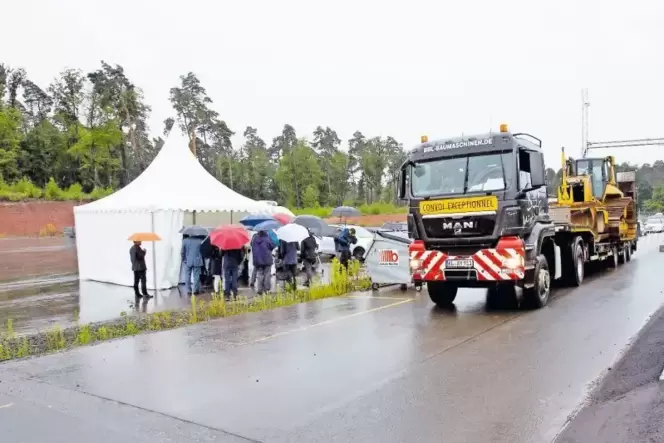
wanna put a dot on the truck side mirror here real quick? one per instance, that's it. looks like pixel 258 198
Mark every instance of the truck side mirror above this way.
pixel 401 185
pixel 537 170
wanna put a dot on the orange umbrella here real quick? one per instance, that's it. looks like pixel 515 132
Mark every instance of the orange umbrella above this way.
pixel 144 236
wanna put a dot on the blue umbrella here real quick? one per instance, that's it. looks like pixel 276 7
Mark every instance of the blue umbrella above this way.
pixel 268 225
pixel 254 219
pixel 273 237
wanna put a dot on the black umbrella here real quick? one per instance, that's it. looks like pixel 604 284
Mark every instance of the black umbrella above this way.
pixel 195 231
pixel 317 225
pixel 345 211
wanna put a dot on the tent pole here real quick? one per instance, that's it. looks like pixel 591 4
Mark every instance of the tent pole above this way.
pixel 231 217
pixel 194 217
pixel 154 259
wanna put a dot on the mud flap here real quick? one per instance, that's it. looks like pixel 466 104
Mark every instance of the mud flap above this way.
pixel 558 262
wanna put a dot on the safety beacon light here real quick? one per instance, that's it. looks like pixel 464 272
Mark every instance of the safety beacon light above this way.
pixel 424 139
pixel 503 128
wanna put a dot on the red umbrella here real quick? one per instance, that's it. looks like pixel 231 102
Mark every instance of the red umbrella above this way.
pixel 284 219
pixel 230 237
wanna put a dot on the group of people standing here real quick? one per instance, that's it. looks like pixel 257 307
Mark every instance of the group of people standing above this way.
pixel 233 263
pixel 229 266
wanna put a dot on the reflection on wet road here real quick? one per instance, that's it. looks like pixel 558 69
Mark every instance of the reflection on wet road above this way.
pixel 35 304
pixel 389 368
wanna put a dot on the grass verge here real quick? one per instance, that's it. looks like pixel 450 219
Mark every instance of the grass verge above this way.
pixel 56 339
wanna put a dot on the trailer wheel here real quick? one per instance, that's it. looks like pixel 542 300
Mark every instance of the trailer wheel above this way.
pixel 442 293
pixel 628 252
pixel 375 286
pixel 575 259
pixel 612 262
pixel 538 295
pixel 403 287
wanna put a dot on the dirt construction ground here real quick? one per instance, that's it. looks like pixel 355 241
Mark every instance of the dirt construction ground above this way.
pixel 22 258
pixel 29 257
pixel 370 220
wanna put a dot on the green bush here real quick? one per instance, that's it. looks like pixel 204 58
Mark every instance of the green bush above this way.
pixel 74 192
pixel 53 191
pixel 372 209
pixel 27 188
pixel 24 189
pixel 99 193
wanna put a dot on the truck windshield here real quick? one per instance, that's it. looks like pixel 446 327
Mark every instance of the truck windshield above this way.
pixel 460 175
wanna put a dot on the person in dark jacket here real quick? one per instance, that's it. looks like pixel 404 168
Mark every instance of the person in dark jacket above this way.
pixel 309 256
pixel 254 270
pixel 216 269
pixel 137 257
pixel 343 241
pixel 243 272
pixel 288 254
pixel 232 258
pixel 262 256
pixel 193 263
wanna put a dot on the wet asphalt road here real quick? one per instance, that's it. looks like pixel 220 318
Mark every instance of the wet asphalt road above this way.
pixel 628 404
pixel 390 368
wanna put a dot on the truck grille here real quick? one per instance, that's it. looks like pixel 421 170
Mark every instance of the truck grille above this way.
pixel 472 226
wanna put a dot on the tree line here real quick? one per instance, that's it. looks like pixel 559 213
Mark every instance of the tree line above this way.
pixel 90 131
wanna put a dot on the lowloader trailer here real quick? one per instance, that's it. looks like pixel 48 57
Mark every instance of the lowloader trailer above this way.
pixel 480 216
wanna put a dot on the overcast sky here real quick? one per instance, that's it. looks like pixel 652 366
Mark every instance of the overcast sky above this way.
pixel 400 68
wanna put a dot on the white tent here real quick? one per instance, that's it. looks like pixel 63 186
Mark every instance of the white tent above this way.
pixel 172 192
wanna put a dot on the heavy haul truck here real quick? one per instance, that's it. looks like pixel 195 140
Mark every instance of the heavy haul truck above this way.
pixel 480 216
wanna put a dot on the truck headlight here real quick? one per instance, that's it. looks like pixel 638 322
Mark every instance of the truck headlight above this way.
pixel 415 264
pixel 513 263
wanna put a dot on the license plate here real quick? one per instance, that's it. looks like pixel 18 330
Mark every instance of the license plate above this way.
pixel 459 263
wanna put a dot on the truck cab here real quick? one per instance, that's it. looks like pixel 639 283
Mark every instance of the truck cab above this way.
pixel 477 208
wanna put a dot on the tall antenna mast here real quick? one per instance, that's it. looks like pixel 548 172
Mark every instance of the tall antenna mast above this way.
pixel 584 121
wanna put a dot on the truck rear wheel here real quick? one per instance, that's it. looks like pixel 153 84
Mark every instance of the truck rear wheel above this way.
pixel 442 293
pixel 628 252
pixel 612 262
pixel 537 296
pixel 574 263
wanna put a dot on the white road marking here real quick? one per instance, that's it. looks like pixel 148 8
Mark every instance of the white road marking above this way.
pixel 7 405
pixel 327 322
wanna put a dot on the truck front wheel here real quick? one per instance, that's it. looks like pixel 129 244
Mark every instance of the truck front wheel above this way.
pixel 442 293
pixel 537 296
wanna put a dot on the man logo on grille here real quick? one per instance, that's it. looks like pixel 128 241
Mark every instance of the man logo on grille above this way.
pixel 388 257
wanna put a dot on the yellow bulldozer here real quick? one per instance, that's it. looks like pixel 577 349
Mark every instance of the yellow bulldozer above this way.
pixel 594 200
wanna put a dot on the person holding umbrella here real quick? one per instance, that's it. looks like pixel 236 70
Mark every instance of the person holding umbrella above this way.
pixel 290 237
pixel 309 256
pixel 232 259
pixel 137 257
pixel 261 250
pixel 193 262
pixel 231 240
pixel 343 241
pixel 288 254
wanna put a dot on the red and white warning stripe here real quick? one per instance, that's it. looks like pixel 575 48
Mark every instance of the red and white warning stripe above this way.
pixel 489 264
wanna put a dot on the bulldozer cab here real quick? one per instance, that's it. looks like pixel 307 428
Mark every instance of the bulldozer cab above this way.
pixel 600 171
pixel 588 179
